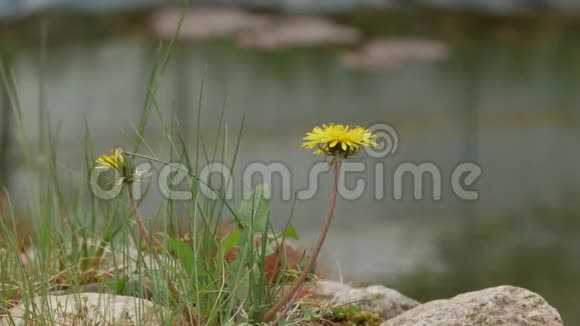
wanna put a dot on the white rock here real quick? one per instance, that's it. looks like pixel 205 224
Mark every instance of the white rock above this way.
pixel 84 309
pixel 498 306
pixel 375 298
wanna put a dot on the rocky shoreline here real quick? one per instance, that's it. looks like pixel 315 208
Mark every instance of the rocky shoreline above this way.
pixel 502 305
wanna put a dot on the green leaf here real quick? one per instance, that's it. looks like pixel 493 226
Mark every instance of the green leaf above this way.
pixel 230 241
pixel 184 253
pixel 255 210
pixel 310 315
pixel 290 232
pixel 118 285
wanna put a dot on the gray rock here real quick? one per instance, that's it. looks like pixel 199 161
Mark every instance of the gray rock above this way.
pixel 375 298
pixel 205 23
pixel 299 31
pixel 393 53
pixel 503 305
pixel 84 309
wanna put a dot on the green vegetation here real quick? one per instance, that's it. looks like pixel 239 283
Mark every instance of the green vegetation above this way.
pixel 198 273
pixel 352 316
pixel 211 262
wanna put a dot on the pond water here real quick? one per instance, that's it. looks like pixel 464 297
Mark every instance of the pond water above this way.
pixel 512 110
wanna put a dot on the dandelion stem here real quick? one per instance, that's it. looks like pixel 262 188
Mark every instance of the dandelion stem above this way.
pixel 139 219
pixel 145 234
pixel 312 260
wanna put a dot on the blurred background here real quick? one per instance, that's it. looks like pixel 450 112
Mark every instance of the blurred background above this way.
pixel 490 82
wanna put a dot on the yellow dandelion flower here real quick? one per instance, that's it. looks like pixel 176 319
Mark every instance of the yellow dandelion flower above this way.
pixel 338 140
pixel 115 160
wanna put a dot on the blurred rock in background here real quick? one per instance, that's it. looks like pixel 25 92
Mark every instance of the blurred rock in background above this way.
pixel 393 53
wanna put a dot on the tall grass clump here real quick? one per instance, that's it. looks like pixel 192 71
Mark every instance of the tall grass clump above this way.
pixel 207 260
pixel 204 262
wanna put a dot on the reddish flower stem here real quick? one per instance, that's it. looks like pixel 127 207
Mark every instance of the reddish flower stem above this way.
pixel 139 219
pixel 145 235
pixel 312 260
